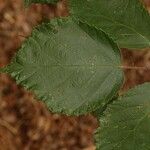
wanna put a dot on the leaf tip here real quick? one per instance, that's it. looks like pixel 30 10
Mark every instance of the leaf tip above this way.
pixel 3 70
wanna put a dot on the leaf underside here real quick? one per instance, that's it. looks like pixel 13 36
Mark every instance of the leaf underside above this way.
pixel 28 2
pixel 126 21
pixel 126 123
pixel 72 67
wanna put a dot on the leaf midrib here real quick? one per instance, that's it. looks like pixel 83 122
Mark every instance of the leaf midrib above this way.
pixel 128 27
pixel 70 66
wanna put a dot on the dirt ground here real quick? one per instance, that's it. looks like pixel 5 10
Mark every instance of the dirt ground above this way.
pixel 25 123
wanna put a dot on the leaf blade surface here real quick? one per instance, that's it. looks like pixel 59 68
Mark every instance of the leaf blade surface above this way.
pixel 72 67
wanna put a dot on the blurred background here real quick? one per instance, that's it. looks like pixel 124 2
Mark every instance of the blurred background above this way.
pixel 26 124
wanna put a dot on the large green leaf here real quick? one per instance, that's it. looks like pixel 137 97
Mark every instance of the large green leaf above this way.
pixel 126 21
pixel 28 2
pixel 126 123
pixel 72 67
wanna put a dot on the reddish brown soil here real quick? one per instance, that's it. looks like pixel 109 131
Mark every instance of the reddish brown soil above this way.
pixel 25 123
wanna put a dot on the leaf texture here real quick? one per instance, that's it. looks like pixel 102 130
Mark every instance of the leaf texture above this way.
pixel 126 21
pixel 71 66
pixel 126 123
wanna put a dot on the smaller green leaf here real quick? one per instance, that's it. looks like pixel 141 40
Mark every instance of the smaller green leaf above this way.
pixel 126 123
pixel 28 2
pixel 126 21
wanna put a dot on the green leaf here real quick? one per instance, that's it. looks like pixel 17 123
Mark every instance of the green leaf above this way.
pixel 126 123
pixel 72 67
pixel 28 2
pixel 126 21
